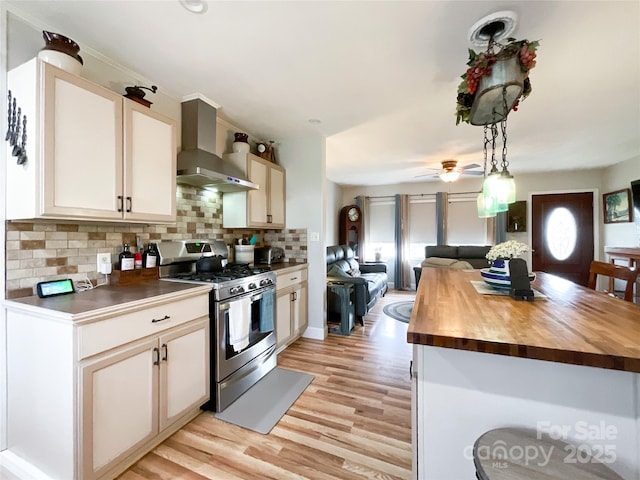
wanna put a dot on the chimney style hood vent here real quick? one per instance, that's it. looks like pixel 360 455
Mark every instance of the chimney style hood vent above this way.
pixel 198 165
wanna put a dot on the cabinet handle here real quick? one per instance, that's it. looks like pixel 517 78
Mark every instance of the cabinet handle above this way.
pixel 411 370
pixel 294 296
pixel 129 204
pixel 156 320
pixel 293 278
pixel 120 201
pixel 156 353
pixel 166 352
pixel 269 218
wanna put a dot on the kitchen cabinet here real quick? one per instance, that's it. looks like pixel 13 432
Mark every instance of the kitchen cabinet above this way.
pixel 92 154
pixel 118 379
pixel 262 208
pixel 135 392
pixel 291 304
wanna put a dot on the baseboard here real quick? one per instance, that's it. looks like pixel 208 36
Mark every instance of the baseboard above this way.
pixel 316 333
pixel 20 467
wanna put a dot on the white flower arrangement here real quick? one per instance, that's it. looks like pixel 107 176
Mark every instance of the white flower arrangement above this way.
pixel 506 250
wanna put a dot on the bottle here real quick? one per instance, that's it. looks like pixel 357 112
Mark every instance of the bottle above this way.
pixel 125 259
pixel 150 256
pixel 137 260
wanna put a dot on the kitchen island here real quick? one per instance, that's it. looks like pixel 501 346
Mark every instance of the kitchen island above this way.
pixel 566 364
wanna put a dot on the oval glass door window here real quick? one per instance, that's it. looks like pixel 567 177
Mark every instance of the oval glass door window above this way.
pixel 561 233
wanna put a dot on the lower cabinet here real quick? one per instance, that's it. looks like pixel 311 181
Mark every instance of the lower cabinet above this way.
pixel 91 392
pixel 291 304
pixel 135 392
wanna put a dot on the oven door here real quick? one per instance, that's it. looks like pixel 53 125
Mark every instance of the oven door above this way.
pixel 254 313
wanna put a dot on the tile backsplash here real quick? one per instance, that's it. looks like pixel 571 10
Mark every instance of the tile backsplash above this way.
pixel 45 250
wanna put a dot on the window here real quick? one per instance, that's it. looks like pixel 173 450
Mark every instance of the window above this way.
pixel 463 225
pixel 561 232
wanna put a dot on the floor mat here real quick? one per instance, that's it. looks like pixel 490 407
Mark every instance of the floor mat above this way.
pixel 400 311
pixel 263 405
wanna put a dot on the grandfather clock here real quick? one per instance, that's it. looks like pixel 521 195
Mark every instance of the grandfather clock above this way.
pixel 350 229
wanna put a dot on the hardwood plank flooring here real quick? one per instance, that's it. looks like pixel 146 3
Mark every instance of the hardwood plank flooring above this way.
pixel 352 422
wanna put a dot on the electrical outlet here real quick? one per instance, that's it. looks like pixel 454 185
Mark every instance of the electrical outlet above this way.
pixel 103 262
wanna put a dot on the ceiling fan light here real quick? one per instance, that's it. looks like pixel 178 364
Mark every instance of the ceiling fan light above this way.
pixel 450 175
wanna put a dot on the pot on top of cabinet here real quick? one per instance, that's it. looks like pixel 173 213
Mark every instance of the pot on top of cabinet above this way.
pixel 93 154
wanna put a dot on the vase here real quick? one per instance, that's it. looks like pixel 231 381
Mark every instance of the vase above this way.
pixel 498 275
pixel 240 147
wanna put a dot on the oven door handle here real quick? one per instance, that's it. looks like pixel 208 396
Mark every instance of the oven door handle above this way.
pixel 256 363
pixel 255 298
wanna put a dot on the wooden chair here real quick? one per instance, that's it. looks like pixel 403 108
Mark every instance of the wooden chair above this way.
pixel 614 271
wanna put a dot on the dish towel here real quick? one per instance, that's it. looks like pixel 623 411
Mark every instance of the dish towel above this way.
pixel 239 323
pixel 266 311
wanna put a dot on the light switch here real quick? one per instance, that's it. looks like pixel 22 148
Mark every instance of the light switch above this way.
pixel 314 236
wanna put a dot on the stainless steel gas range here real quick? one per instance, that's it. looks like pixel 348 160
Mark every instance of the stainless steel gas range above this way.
pixel 241 311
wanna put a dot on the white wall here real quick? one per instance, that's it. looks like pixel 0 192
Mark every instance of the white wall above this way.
pixel 617 177
pixel 333 205
pixel 3 160
pixel 304 160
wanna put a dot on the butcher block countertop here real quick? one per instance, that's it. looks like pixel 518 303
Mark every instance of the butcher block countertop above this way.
pixel 107 300
pixel 572 324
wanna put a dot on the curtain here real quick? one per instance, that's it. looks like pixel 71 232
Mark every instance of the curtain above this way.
pixel 402 266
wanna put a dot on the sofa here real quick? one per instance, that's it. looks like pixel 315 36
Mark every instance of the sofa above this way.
pixel 369 280
pixel 453 256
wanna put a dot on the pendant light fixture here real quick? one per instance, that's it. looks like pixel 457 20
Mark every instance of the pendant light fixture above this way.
pixel 493 86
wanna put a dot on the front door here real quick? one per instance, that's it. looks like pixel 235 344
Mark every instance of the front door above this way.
pixel 562 235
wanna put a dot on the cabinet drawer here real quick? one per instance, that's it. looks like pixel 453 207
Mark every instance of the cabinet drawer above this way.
pixel 101 336
pixel 287 278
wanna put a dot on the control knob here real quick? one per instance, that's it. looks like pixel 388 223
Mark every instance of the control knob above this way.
pixel 234 290
pixel 252 286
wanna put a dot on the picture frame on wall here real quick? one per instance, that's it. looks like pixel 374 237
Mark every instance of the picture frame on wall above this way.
pixel 617 206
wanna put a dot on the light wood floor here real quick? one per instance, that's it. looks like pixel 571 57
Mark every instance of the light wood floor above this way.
pixel 352 422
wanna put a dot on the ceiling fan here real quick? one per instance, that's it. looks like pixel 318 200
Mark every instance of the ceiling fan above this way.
pixel 451 171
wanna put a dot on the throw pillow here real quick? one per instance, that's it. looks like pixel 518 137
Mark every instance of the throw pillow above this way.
pixel 438 262
pixel 462 265
pixel 354 272
pixel 336 271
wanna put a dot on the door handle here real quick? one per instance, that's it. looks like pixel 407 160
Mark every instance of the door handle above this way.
pixel 120 202
pixel 128 204
pixel 166 352
pixel 156 354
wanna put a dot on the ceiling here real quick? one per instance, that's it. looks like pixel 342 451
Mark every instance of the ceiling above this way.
pixel 381 76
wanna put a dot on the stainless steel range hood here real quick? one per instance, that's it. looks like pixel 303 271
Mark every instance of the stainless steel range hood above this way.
pixel 198 163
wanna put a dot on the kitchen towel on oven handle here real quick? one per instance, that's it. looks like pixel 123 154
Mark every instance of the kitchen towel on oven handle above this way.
pixel 239 323
pixel 266 311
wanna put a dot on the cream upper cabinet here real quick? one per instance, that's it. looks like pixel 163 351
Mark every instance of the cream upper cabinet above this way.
pixel 149 165
pixel 92 154
pixel 262 208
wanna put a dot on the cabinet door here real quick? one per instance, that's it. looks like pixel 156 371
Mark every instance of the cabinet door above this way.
pixel 82 147
pixel 283 316
pixel 299 316
pixel 119 405
pixel 149 165
pixel 257 199
pixel 184 370
pixel 276 214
